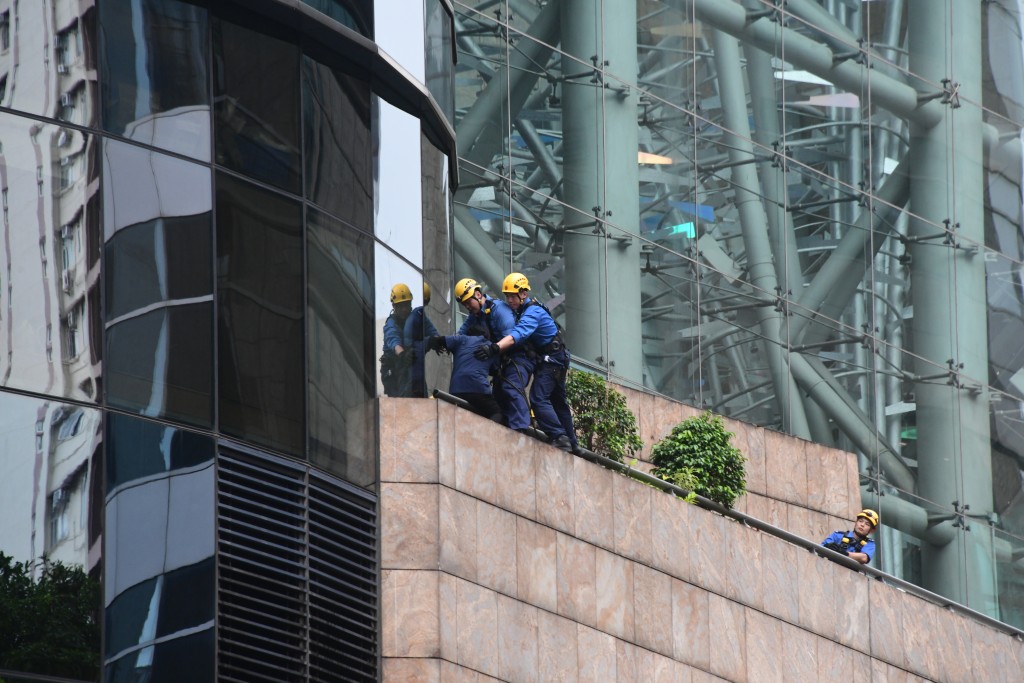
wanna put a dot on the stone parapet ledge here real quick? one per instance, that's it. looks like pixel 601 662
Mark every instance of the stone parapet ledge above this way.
pixel 784 468
pixel 506 559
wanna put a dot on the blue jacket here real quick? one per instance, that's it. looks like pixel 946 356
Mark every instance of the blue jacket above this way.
pixel 535 325
pixel 495 315
pixel 417 327
pixel 392 333
pixel 837 537
pixel 470 375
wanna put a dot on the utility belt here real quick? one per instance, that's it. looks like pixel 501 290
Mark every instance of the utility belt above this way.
pixel 555 346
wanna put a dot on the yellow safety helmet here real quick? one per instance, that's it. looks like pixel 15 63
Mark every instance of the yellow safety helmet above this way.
pixel 401 293
pixel 426 294
pixel 869 515
pixel 515 283
pixel 465 288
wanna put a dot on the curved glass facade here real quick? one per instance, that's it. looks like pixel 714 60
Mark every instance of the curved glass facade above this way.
pixel 205 206
pixel 805 215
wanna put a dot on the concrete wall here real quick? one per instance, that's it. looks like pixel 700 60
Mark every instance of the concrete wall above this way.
pixel 505 559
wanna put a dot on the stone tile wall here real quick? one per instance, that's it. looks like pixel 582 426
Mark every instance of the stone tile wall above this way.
pixel 505 559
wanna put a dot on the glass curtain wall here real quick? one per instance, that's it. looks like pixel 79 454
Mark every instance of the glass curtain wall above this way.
pixel 197 206
pixel 803 215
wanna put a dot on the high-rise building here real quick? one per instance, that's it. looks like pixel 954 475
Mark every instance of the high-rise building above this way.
pixel 803 214
pixel 205 205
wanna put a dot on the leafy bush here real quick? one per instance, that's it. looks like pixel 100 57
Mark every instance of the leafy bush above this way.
pixel 48 625
pixel 702 445
pixel 604 424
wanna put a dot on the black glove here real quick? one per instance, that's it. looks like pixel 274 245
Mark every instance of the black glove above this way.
pixel 436 343
pixel 838 547
pixel 485 352
pixel 405 358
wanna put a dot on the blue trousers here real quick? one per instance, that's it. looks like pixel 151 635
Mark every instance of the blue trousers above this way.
pixel 548 397
pixel 516 370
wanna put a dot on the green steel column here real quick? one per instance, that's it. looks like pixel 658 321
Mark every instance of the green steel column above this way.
pixel 949 299
pixel 599 153
pixel 760 262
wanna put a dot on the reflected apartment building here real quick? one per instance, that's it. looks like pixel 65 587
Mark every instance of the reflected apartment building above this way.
pixel 201 224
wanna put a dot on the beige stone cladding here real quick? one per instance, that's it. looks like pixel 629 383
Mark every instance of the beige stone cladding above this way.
pixel 504 559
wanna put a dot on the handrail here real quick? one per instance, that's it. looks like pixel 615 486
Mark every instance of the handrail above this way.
pixel 760 525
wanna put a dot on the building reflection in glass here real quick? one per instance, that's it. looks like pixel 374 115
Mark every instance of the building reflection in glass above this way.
pixel 158 568
pixel 159 284
pixel 48 256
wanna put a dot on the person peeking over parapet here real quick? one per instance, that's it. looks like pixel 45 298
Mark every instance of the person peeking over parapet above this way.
pixel 471 377
pixel 856 544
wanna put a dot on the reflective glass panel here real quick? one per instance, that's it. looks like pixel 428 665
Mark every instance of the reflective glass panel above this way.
pixel 260 321
pixel 394 280
pixel 397 203
pixel 51 460
pixel 342 427
pixel 159 284
pixel 158 541
pixel 256 105
pixel 182 599
pixel 154 73
pixel 49 260
pixel 437 264
pixel 440 70
pixel 48 61
pixel 338 137
pixel 356 14
pixel 189 658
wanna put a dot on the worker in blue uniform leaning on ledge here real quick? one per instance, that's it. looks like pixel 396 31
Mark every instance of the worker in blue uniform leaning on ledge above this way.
pixel 534 347
pixel 495 317
pixel 856 543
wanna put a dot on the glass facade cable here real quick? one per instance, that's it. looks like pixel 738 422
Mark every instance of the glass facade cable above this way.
pixel 805 215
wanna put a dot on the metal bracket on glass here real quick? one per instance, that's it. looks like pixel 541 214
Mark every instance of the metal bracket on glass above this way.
pixel 774 12
pixel 950 94
pixel 960 515
pixel 858 55
pixel 947 236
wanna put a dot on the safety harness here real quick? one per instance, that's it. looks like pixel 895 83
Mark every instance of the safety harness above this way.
pixel 556 344
pixel 849 543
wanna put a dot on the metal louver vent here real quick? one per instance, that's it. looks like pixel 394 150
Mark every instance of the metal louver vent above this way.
pixel 297 574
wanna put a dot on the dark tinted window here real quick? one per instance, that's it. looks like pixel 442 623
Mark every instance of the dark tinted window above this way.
pixel 256 96
pixel 160 607
pixel 159 284
pixel 339 144
pixel 189 658
pixel 341 350
pixel 140 448
pixel 158 260
pixel 260 326
pixel 356 14
pixel 154 82
pixel 160 364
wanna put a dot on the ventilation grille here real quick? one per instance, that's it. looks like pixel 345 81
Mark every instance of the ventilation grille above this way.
pixel 297 574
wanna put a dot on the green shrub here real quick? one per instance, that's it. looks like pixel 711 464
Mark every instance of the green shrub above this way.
pixel 702 446
pixel 604 424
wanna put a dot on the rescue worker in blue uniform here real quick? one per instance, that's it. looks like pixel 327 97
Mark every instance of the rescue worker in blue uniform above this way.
pixel 497 319
pixel 471 376
pixel 545 356
pixel 394 364
pixel 856 543
pixel 417 328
